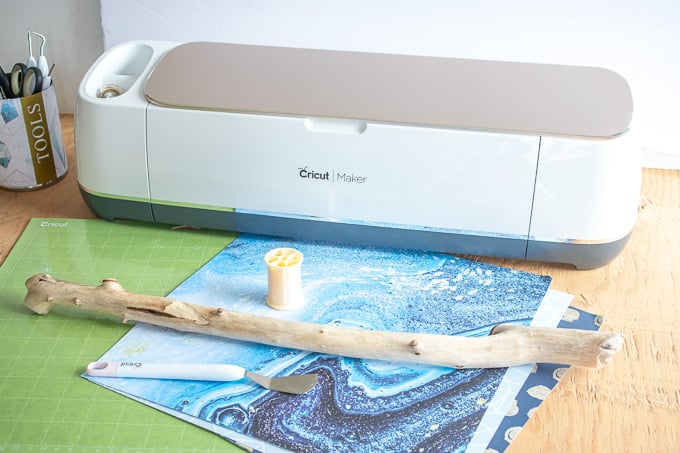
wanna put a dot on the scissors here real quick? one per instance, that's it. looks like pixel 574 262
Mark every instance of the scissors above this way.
pixel 4 85
pixel 24 81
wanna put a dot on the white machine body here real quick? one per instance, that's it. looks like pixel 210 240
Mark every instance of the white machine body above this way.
pixel 371 149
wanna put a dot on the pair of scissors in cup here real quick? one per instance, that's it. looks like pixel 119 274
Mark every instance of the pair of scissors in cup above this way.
pixel 22 81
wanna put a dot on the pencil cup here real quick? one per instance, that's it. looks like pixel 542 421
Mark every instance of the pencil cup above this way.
pixel 284 278
pixel 32 152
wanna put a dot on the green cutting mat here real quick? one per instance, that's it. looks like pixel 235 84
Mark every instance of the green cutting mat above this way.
pixel 44 405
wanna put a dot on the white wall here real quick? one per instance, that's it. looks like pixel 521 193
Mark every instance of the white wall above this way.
pixel 640 40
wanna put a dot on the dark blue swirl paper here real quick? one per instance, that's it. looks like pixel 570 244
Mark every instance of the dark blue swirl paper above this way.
pixel 543 378
pixel 358 405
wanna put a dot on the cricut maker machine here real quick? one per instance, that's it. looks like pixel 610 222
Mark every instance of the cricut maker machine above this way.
pixel 478 157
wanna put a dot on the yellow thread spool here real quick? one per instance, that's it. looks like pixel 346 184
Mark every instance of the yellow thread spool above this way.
pixel 284 278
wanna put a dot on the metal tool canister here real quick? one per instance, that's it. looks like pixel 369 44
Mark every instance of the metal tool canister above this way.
pixel 32 154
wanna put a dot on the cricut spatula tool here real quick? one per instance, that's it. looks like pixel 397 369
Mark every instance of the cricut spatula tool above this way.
pixel 296 384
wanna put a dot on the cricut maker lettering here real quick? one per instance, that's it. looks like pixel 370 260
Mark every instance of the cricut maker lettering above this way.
pixel 304 173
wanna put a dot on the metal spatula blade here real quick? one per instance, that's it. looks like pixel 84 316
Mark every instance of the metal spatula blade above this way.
pixel 296 384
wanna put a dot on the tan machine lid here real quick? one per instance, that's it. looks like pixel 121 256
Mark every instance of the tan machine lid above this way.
pixel 409 90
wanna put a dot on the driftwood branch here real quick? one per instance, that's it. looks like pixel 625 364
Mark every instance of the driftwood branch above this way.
pixel 508 345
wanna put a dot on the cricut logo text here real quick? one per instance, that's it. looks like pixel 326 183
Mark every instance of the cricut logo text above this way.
pixel 131 364
pixel 311 174
pixel 330 176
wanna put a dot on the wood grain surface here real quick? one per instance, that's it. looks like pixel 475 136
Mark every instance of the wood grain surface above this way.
pixel 632 405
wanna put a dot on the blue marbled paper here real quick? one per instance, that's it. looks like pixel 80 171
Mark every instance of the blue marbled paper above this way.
pixel 358 405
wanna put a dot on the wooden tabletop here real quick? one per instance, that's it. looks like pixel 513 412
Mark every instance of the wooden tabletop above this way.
pixel 631 405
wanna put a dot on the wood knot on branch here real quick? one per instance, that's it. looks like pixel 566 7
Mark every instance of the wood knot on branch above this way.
pixel 111 283
pixel 609 347
pixel 183 311
pixel 417 346
pixel 40 278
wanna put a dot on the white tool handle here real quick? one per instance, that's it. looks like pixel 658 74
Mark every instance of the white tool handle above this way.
pixel 197 372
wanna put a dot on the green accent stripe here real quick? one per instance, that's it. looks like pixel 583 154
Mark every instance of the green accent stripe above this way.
pixel 163 202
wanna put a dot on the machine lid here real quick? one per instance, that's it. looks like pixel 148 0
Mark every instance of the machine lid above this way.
pixel 399 89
